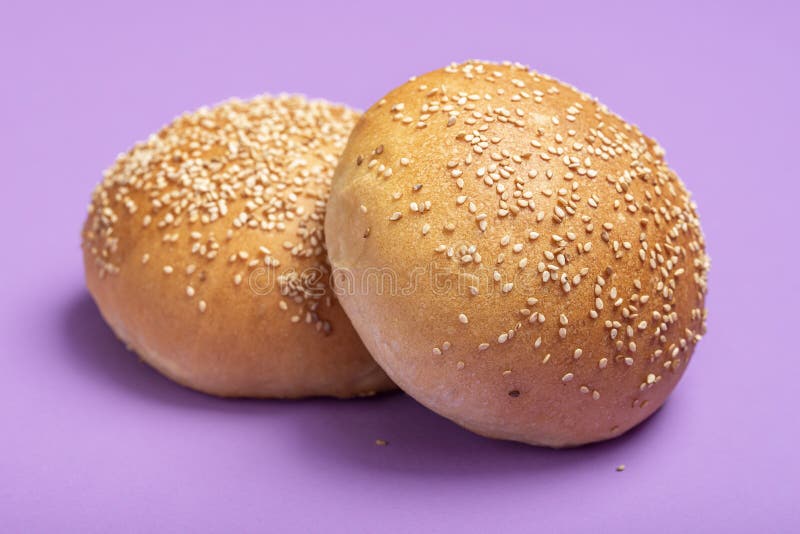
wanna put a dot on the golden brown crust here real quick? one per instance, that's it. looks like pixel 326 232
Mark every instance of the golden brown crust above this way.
pixel 574 255
pixel 204 251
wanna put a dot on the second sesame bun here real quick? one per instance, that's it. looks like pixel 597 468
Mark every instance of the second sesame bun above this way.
pixel 204 251
pixel 516 257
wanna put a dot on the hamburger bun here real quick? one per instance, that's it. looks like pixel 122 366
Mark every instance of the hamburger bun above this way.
pixel 541 271
pixel 204 251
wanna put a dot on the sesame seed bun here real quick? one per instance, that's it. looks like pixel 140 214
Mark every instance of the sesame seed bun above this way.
pixel 541 269
pixel 204 251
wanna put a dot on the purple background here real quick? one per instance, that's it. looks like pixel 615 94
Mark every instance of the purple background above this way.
pixel 92 440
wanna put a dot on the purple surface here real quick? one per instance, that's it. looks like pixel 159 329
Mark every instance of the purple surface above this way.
pixel 92 440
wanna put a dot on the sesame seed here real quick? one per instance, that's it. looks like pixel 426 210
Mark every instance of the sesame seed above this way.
pixel 567 377
pixel 463 318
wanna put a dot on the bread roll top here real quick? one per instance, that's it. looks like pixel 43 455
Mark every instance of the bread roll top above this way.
pixel 550 267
